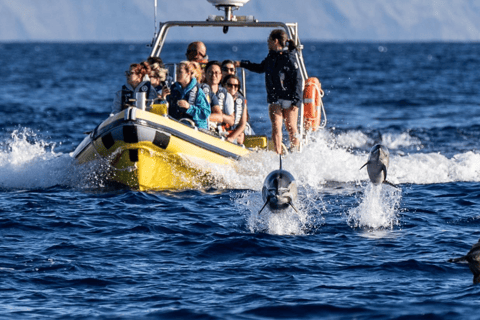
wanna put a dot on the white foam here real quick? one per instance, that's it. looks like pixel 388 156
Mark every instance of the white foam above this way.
pixel 377 209
pixel 27 162
pixel 325 160
pixel 403 140
pixel 353 139
pixel 287 222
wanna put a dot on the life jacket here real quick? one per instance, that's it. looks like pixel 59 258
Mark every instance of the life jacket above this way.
pixel 178 113
pixel 208 92
pixel 222 96
pixel 239 105
pixel 128 93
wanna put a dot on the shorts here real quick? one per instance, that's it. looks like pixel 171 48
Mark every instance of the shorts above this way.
pixel 285 104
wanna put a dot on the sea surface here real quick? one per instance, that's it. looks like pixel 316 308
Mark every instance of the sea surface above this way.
pixel 74 246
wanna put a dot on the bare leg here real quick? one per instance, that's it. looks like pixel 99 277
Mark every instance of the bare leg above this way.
pixel 276 116
pixel 291 117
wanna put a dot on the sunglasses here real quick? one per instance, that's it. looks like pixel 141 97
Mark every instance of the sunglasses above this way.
pixel 233 85
pixel 228 69
pixel 196 52
pixel 129 73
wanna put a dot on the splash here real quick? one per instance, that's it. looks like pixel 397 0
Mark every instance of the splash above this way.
pixel 27 162
pixel 378 209
pixel 288 222
pixel 338 158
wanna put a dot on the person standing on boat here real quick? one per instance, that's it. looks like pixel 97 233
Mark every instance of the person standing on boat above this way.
pixel 186 99
pixel 221 102
pixel 284 86
pixel 135 84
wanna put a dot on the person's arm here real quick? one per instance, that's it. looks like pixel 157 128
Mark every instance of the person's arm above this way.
pixel 297 94
pixel 229 114
pixel 200 111
pixel 217 114
pixel 255 67
pixel 240 127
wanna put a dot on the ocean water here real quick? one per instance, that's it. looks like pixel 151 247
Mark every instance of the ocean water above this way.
pixel 73 246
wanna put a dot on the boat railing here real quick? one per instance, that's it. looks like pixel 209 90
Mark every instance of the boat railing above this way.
pixel 290 28
pixel 172 76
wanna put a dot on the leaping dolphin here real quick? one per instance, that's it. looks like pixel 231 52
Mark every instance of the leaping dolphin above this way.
pixel 279 190
pixel 377 165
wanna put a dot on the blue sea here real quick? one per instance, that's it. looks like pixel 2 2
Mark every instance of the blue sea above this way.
pixel 74 246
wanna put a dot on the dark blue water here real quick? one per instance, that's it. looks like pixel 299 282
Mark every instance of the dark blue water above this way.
pixel 72 246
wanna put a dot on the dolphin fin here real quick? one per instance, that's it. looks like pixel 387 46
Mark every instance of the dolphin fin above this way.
pixel 291 205
pixel 390 184
pixel 266 202
pixel 363 165
pixel 458 260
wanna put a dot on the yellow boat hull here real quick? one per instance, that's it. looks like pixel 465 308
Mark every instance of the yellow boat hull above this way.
pixel 146 151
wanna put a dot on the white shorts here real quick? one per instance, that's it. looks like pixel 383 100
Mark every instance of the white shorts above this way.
pixel 285 104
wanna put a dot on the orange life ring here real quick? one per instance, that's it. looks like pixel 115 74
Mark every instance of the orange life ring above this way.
pixel 312 101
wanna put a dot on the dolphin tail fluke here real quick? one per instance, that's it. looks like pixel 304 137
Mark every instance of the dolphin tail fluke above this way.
pixel 363 165
pixel 266 202
pixel 391 184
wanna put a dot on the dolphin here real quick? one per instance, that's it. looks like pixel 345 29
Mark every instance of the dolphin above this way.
pixel 279 190
pixel 377 165
pixel 473 260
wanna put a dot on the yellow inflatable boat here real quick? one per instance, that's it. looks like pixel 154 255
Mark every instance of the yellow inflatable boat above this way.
pixel 147 151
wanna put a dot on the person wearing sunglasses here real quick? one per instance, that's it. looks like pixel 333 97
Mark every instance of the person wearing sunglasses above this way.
pixel 135 83
pixel 240 127
pixel 186 99
pixel 228 67
pixel 197 51
pixel 284 86
pixel 221 101
pixel 158 74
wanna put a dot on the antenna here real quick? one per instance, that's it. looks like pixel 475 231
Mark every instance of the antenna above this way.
pixel 154 23
pixel 155 17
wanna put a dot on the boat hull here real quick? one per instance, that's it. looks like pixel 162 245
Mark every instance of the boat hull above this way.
pixel 146 151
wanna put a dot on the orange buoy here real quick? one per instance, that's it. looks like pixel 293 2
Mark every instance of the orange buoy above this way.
pixel 312 102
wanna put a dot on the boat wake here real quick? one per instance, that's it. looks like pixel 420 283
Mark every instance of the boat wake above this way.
pixel 330 160
pixel 28 162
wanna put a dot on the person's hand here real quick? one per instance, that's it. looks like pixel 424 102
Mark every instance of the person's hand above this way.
pixel 237 64
pixel 165 92
pixel 183 104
